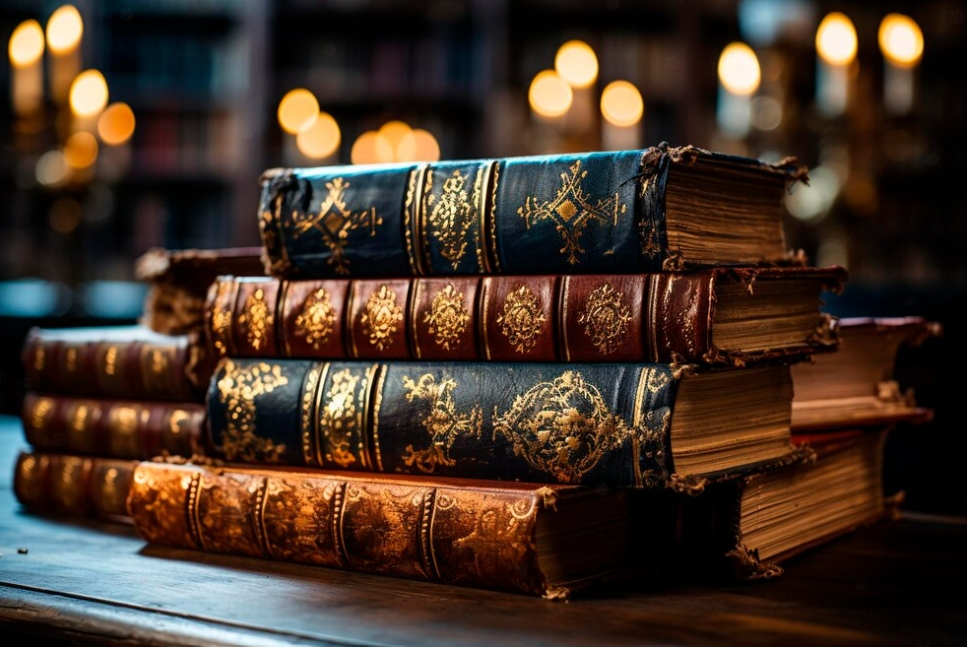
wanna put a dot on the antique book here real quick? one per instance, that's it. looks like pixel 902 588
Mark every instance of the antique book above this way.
pixel 712 316
pixel 661 208
pixel 534 539
pixel 112 428
pixel 178 281
pixel 856 385
pixel 749 527
pixel 127 362
pixel 73 485
pixel 635 425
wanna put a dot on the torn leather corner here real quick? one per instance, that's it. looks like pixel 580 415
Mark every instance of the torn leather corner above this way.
pixel 826 333
pixel 746 565
pixel 690 485
pixel 558 593
pixel 548 497
pixel 673 262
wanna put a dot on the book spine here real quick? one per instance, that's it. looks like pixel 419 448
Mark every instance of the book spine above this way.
pixel 471 537
pixel 113 428
pixel 74 485
pixel 600 212
pixel 661 317
pixel 579 423
pixel 136 369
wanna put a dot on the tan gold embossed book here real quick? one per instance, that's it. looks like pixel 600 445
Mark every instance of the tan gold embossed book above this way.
pixel 715 316
pixel 523 538
pixel 856 385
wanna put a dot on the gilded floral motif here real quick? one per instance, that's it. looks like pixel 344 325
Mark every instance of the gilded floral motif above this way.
pixel 447 318
pixel 605 318
pixel 521 319
pixel 339 419
pixel 381 318
pixel 443 422
pixel 334 223
pixel 562 428
pixel 317 320
pixel 571 211
pixel 256 319
pixel 453 217
pixel 237 390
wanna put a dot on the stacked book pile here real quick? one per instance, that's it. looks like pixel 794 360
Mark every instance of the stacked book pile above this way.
pixel 512 374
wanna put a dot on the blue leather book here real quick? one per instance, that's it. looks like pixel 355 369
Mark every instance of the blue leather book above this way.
pixel 633 425
pixel 649 210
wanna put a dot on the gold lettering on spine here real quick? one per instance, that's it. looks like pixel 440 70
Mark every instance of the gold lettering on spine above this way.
pixel 447 318
pixel 257 318
pixel 317 320
pixel 605 318
pixel 381 318
pixel 307 427
pixel 571 211
pixel 335 221
pixel 562 428
pixel 521 319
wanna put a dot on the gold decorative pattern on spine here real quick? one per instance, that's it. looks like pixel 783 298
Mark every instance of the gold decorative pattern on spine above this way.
pixel 563 303
pixel 381 317
pixel 70 359
pixel 443 422
pixel 306 417
pixel 335 221
pixel 423 243
pixel 363 405
pixel 317 393
pixel 490 212
pixel 256 319
pixel 261 496
pixel 377 403
pixel 562 428
pixel 571 211
pixel 426 535
pixel 605 318
pixel 521 319
pixel 339 422
pixel 453 217
pixel 122 421
pixel 447 318
pixel 338 514
pixel 40 412
pixel 317 319
pixel 413 218
pixel 237 390
pixel 111 360
pixel 651 427
pixel 192 484
pixel 221 317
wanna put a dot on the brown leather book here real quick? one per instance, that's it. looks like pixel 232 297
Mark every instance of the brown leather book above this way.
pixel 126 362
pixel 132 429
pixel 517 537
pixel 178 281
pixel 73 485
pixel 713 316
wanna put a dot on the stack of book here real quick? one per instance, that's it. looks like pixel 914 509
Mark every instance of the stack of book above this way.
pixel 506 373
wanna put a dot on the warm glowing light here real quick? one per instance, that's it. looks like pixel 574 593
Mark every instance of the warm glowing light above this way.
pixel 88 94
pixel 621 103
pixel 739 70
pixel 80 150
pixel 297 110
pixel 64 29
pixel 399 136
pixel 901 40
pixel 836 39
pixel 321 138
pixel 116 124
pixel 550 95
pixel 51 169
pixel 371 148
pixel 576 63
pixel 26 44
pixel 418 146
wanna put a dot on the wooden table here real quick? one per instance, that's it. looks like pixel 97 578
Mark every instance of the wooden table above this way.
pixel 80 582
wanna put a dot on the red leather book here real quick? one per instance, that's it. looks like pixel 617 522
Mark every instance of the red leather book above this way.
pixel 712 316
pixel 112 428
pixel 128 362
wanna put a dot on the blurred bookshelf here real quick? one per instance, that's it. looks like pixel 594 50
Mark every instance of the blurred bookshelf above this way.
pixel 205 80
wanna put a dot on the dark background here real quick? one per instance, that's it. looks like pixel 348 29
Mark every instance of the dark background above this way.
pixel 204 79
